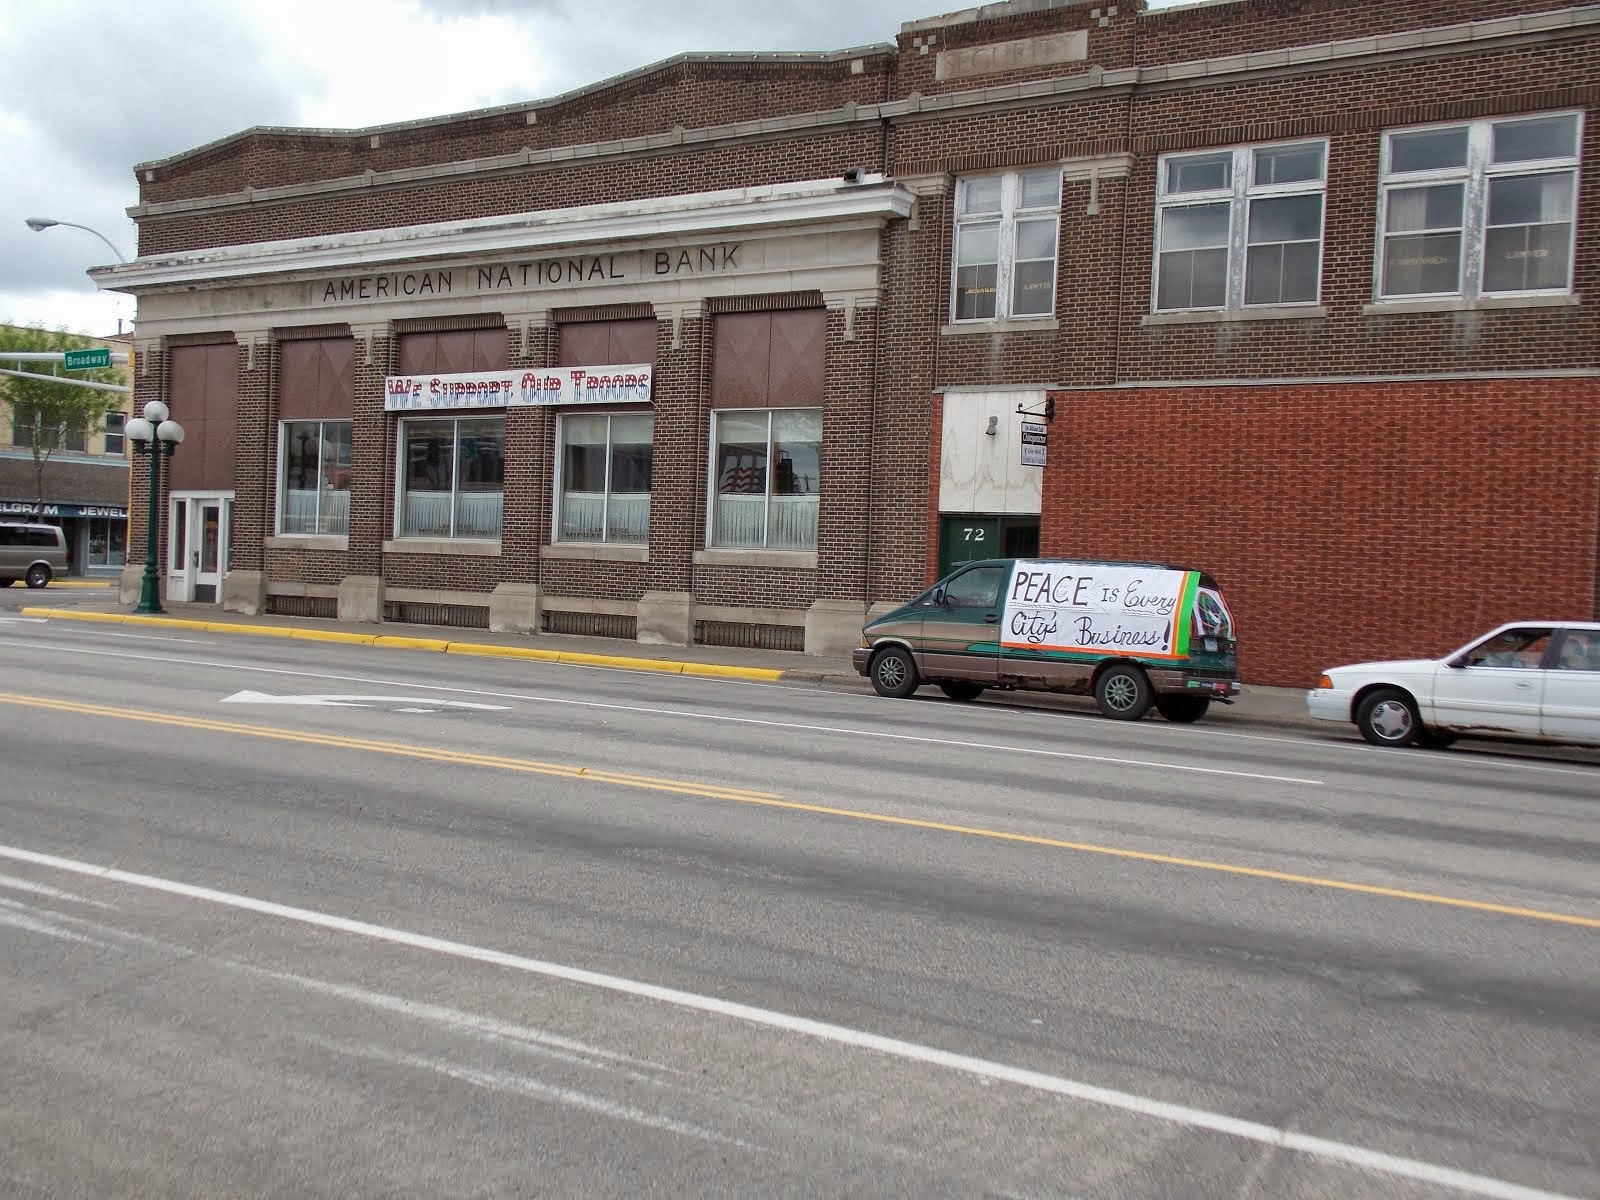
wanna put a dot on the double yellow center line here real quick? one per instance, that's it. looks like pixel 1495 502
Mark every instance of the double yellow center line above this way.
pixel 773 800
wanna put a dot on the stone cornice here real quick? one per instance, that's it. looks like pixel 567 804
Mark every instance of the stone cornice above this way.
pixel 748 211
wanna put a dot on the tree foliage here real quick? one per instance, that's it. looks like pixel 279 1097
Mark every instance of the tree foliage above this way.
pixel 45 412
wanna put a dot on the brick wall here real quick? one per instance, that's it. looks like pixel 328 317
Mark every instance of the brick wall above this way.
pixel 1345 521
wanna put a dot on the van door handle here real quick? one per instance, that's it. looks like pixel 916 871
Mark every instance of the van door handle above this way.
pixel 991 618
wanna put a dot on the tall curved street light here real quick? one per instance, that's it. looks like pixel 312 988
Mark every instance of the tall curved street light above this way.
pixel 158 437
pixel 40 224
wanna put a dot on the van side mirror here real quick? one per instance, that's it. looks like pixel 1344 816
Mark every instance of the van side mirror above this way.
pixel 938 596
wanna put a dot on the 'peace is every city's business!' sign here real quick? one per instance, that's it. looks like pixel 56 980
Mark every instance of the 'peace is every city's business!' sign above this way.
pixel 519 388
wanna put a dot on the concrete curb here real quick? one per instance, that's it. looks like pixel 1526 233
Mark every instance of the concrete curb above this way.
pixel 660 666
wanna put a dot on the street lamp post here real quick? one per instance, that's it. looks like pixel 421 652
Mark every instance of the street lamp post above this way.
pixel 155 435
pixel 40 224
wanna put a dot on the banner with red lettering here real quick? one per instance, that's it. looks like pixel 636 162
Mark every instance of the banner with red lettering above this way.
pixel 519 388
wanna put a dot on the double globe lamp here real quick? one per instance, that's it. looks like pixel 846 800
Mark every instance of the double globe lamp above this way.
pixel 155 435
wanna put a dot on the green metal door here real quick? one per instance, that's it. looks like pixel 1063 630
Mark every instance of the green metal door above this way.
pixel 967 539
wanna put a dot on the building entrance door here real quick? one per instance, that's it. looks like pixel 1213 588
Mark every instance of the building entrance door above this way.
pixel 198 547
pixel 969 538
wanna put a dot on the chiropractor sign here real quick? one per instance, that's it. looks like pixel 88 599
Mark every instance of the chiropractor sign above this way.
pixel 1099 608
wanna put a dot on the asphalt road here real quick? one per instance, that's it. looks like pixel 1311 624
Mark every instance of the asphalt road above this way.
pixel 316 920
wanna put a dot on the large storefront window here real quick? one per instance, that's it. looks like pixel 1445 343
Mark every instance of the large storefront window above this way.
pixel 314 477
pixel 767 475
pixel 452 474
pixel 605 478
pixel 108 542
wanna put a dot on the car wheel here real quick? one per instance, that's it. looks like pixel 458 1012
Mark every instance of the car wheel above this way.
pixel 1183 710
pixel 1123 693
pixel 962 691
pixel 1388 717
pixel 894 673
pixel 38 575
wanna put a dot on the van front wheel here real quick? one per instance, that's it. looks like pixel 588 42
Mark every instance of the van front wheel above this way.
pixel 1123 693
pixel 1183 710
pixel 894 673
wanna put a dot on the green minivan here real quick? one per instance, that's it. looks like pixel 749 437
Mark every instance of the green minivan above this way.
pixel 1134 635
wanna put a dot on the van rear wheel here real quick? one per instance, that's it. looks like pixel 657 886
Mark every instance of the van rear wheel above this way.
pixel 894 673
pixel 38 575
pixel 1123 693
pixel 1183 710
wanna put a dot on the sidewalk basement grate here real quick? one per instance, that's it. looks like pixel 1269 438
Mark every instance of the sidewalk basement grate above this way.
pixel 457 616
pixel 607 625
pixel 304 606
pixel 750 637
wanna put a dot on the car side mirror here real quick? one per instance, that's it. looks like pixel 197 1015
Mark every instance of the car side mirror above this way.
pixel 1457 663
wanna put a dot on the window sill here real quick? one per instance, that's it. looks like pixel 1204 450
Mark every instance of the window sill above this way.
pixel 1016 325
pixel 306 541
pixel 1379 308
pixel 1217 316
pixel 596 552
pixel 464 546
pixel 792 560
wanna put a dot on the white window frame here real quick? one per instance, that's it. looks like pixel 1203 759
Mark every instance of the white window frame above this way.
pixel 1474 178
pixel 1242 189
pixel 108 433
pixel 712 475
pixel 456 418
pixel 1011 212
pixel 605 509
pixel 283 468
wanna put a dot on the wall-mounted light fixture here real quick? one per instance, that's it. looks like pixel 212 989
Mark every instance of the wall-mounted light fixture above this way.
pixel 994 426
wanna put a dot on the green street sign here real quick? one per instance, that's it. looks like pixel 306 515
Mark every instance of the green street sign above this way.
pixel 83 360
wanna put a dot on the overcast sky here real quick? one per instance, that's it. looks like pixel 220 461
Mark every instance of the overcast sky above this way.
pixel 90 87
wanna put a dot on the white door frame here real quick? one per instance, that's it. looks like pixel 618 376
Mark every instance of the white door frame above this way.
pixel 185 530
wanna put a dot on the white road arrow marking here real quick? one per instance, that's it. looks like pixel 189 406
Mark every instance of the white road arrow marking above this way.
pixel 431 704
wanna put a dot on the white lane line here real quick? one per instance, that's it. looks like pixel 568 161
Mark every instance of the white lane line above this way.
pixel 526 1085
pixel 14 915
pixel 1289 1140
pixel 39 889
pixel 791 726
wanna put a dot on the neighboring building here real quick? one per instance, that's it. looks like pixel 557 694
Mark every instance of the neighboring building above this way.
pixel 85 481
pixel 734 347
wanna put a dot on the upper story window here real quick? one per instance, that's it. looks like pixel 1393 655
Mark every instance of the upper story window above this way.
pixel 115 423
pixel 1006 228
pixel 1482 208
pixel 1240 228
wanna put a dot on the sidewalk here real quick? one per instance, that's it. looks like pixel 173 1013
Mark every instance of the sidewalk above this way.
pixel 1263 706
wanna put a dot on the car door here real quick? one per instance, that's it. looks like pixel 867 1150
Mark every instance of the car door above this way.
pixel 1571 709
pixel 1497 686
pixel 961 634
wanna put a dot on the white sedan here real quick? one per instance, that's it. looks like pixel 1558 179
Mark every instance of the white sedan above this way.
pixel 1532 680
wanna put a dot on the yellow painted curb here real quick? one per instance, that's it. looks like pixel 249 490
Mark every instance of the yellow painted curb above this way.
pixel 395 642
pixel 80 583
pixel 36 611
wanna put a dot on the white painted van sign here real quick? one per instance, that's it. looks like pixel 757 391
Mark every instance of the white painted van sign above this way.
pixel 512 389
pixel 1097 607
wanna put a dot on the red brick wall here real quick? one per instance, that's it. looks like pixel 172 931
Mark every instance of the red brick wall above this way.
pixel 1345 521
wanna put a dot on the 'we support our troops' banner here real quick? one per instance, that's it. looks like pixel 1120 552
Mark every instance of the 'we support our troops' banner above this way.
pixel 507 389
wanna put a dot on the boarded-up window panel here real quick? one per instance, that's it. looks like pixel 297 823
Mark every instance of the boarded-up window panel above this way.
pixel 602 343
pixel 739 368
pixel 769 359
pixel 453 353
pixel 316 379
pixel 205 387
pixel 798 358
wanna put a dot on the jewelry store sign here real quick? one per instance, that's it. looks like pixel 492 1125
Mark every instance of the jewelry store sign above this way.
pixel 565 272
pixel 519 389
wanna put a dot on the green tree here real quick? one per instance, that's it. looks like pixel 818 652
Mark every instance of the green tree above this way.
pixel 46 414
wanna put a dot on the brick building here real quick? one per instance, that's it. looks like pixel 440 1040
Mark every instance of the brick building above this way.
pixel 737 346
